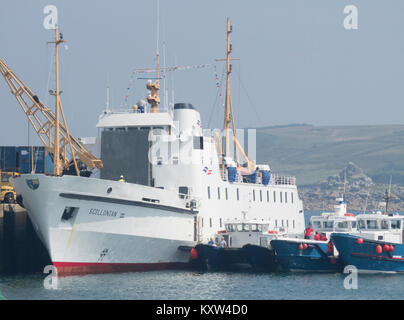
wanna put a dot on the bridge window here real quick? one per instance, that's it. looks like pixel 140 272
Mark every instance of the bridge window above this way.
pixel 384 224
pixel 261 195
pixel 274 196
pixel 395 224
pixel 280 195
pixel 291 194
pixel 227 196
pixel 267 195
pixel 371 224
pixel 238 194
pixel 316 224
pixel 208 192
pixel 253 195
pixel 342 225
pixel 218 193
pixel 210 222
pixel 286 197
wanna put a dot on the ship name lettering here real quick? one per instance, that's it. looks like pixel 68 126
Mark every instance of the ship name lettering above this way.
pixel 101 212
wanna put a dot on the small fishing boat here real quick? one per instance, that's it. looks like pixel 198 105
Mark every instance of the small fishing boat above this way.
pixel 378 244
pixel 316 252
pixel 231 248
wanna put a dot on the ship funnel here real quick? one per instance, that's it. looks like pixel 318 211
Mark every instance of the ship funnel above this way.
pixel 188 118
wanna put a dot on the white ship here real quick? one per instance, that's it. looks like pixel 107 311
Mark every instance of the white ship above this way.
pixel 180 188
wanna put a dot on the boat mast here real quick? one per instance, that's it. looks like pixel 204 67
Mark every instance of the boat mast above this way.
pixel 387 197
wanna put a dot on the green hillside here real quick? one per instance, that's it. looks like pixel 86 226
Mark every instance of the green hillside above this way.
pixel 312 153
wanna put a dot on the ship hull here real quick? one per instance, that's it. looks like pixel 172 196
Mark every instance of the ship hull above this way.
pixel 217 258
pixel 364 256
pixel 87 228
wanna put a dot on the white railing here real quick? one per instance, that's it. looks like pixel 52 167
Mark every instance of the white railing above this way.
pixel 274 179
pixel 279 180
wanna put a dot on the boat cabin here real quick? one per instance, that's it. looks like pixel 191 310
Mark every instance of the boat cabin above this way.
pixel 337 221
pixel 378 226
pixel 238 233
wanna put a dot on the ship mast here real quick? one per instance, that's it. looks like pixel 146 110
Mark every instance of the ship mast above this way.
pixel 228 110
pixel 154 87
pixel 56 144
pixel 58 151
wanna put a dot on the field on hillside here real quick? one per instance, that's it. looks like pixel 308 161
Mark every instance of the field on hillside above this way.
pixel 312 153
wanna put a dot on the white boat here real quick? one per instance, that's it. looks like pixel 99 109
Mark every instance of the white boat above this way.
pixel 179 190
pixel 378 246
pixel 337 221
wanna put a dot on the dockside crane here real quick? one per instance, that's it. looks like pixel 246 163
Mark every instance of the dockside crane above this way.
pixel 51 127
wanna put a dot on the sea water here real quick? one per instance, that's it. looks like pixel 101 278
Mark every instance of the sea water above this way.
pixel 186 285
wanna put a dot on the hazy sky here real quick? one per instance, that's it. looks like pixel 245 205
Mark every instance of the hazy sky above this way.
pixel 298 63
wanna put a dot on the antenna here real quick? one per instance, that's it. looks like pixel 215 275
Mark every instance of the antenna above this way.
pixel 390 184
pixel 107 102
pixel 366 202
pixel 343 196
pixel 387 196
pixel 386 199
pixel 164 79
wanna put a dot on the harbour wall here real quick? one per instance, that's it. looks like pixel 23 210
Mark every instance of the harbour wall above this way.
pixel 21 251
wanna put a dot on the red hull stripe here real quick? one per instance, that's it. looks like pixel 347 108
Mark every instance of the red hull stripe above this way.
pixel 81 268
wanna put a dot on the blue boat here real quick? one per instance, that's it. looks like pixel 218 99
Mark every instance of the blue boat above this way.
pixel 216 258
pixel 377 247
pixel 307 255
pixel 316 252
pixel 261 258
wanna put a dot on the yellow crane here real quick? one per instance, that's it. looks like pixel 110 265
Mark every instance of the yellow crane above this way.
pixel 51 127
